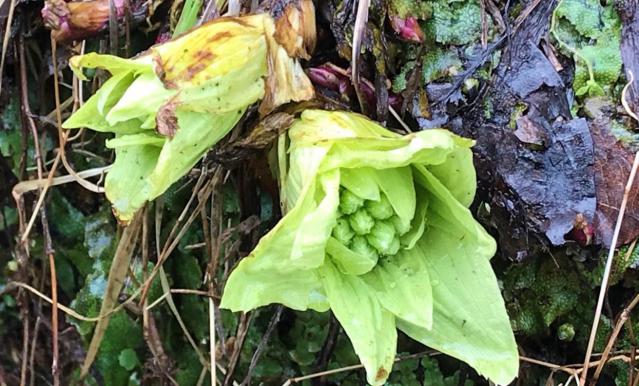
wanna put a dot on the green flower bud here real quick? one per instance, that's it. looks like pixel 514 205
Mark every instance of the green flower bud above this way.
pixel 349 203
pixel 361 246
pixel 566 332
pixel 342 231
pixel 382 236
pixel 381 210
pixel 399 225
pixel 394 247
pixel 361 222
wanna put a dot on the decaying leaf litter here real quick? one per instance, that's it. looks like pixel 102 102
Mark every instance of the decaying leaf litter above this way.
pixel 537 84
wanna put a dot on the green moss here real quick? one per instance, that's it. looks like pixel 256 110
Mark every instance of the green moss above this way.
pixel 591 33
pixel 456 23
pixel 566 332
pixel 401 79
pixel 538 293
pixel 438 62
pixel 121 334
pixel 404 8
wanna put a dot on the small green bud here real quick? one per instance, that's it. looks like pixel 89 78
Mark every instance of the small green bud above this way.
pixel 342 231
pixel 361 222
pixel 566 332
pixel 381 210
pixel 394 247
pixel 349 203
pixel 361 246
pixel 399 225
pixel 382 236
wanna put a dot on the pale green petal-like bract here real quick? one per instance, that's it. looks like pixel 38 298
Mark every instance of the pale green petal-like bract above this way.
pixel 397 184
pixel 143 138
pixel 469 317
pixel 369 326
pixel 403 287
pixel 127 178
pixel 197 133
pixel 418 259
pixel 362 182
pixel 142 99
pixel 253 286
pixel 347 260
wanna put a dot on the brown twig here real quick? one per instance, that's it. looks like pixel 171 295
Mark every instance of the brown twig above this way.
pixel 115 282
pixel 291 381
pixel 24 314
pixel 62 139
pixel 262 344
pixel 34 343
pixel 484 24
pixel 212 350
pixel 7 37
pixel 321 361
pixel 54 321
pixel 633 350
pixel 26 117
pixel 49 247
pixel 242 329
pixel 171 243
pixel 154 342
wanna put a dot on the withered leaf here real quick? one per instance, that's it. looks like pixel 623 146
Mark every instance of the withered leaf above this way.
pixel 295 29
pixel 612 167
pixel 260 137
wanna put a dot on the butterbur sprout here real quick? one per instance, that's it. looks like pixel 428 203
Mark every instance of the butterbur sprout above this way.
pixel 170 104
pixel 361 222
pixel 380 209
pixel 376 228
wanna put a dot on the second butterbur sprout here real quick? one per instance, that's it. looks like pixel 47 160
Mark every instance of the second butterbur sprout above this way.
pixel 368 227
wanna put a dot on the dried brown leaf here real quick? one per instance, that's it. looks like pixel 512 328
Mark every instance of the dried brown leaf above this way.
pixel 613 162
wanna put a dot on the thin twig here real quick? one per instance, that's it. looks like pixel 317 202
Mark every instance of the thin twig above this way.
pixel 117 273
pixel 34 343
pixel 26 116
pixel 240 336
pixel 171 244
pixel 624 100
pixel 67 310
pixel 154 342
pixel 359 31
pixel 484 24
pixel 25 186
pixel 164 282
pixel 323 357
pixel 25 346
pixel 49 248
pixel 291 381
pixel 261 345
pixel 212 341
pixel 7 37
pixel 613 337
pixel 399 119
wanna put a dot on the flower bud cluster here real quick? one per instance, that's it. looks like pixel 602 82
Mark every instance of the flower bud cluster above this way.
pixel 368 227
